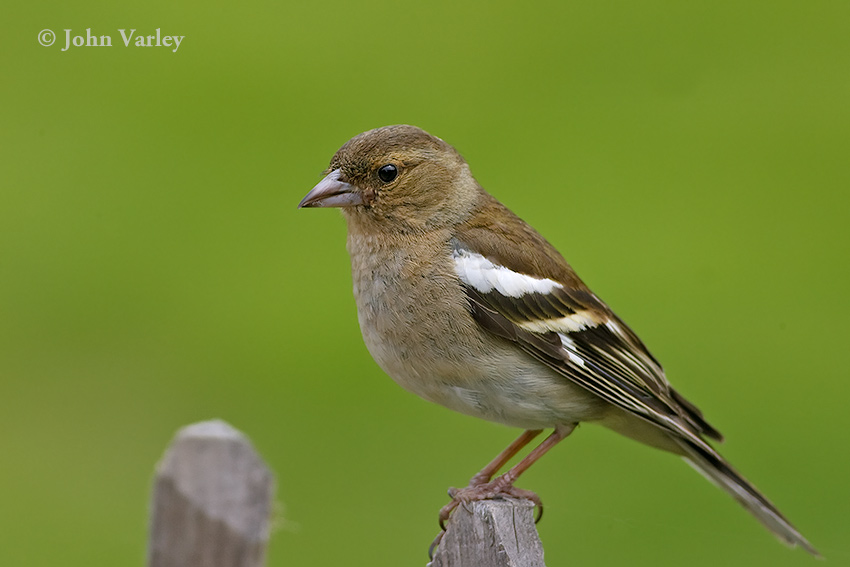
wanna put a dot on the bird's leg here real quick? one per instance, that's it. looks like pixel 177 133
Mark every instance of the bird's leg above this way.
pixel 504 485
pixel 485 474
pixel 560 433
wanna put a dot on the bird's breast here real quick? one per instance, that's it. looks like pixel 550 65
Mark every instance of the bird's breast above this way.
pixel 416 324
pixel 410 306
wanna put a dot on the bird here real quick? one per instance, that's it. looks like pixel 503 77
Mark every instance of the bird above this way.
pixel 464 304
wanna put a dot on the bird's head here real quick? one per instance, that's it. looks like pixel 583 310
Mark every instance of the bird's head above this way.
pixel 397 178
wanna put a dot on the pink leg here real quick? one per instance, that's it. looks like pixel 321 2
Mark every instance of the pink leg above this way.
pixel 557 436
pixel 487 472
pixel 503 485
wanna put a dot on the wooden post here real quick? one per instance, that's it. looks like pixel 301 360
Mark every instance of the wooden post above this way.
pixel 491 533
pixel 211 501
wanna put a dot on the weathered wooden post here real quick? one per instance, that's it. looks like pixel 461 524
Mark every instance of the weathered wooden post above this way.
pixel 491 533
pixel 211 502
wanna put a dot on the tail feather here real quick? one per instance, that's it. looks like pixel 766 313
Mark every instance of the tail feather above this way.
pixel 694 417
pixel 712 466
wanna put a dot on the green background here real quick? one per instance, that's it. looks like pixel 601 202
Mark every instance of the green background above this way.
pixel 690 161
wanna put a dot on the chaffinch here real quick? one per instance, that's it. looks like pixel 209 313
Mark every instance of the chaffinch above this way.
pixel 467 306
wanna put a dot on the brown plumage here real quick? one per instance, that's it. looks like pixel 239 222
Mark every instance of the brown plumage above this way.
pixel 464 304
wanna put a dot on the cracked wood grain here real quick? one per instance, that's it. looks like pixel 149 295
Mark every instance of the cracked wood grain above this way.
pixel 491 533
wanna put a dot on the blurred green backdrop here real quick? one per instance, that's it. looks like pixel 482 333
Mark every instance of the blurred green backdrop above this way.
pixel 689 159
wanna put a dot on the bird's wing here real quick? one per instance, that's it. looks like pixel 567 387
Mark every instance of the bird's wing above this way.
pixel 560 322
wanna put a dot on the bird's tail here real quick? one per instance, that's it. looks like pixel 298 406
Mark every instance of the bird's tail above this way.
pixel 712 466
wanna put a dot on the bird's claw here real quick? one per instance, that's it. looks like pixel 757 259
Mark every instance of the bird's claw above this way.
pixel 498 488
pixel 434 544
pixel 446 511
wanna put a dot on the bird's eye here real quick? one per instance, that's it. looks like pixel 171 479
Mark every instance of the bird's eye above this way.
pixel 388 172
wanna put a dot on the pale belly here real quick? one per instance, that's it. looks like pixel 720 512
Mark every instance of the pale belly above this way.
pixel 438 352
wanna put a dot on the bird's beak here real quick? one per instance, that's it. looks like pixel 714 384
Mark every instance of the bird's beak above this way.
pixel 331 192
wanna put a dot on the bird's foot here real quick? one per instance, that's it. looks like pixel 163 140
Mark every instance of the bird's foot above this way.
pixel 501 487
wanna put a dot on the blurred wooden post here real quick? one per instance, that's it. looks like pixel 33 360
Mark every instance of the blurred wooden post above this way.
pixel 491 533
pixel 211 501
